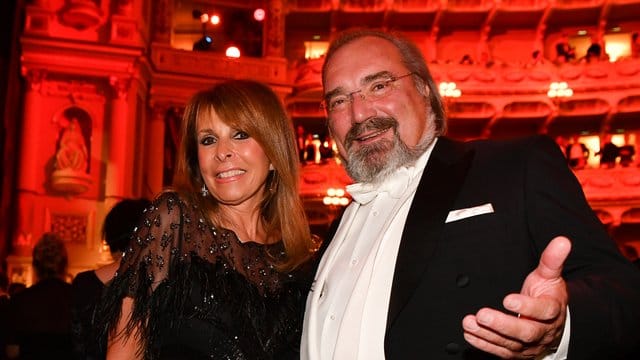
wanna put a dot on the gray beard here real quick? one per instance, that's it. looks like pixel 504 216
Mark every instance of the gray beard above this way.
pixel 373 163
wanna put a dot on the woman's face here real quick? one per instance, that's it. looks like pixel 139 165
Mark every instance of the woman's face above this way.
pixel 232 164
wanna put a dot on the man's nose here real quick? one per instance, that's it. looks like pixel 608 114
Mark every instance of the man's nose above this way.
pixel 361 109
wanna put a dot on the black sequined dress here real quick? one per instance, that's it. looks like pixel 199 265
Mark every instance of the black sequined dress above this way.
pixel 202 294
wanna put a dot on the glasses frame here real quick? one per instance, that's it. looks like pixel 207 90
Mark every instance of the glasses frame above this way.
pixel 324 103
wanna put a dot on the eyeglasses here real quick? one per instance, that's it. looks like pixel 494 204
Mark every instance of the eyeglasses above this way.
pixel 371 92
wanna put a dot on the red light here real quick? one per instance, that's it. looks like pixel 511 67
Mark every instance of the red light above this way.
pixel 215 19
pixel 259 14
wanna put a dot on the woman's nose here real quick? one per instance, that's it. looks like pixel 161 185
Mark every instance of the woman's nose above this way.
pixel 223 151
pixel 223 156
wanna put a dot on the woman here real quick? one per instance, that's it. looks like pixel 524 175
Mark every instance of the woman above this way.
pixel 220 268
pixel 87 286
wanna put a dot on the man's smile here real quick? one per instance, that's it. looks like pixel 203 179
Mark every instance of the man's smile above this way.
pixel 371 136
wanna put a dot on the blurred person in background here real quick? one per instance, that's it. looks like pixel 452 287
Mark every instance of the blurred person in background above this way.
pixel 40 315
pixel 89 285
pixel 4 312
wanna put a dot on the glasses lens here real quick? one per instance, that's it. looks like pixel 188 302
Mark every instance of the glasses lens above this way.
pixel 372 92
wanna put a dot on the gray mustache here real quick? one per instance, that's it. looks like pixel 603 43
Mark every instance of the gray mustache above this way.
pixel 374 123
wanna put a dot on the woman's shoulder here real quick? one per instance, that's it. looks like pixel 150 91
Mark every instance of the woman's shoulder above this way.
pixel 170 197
pixel 172 202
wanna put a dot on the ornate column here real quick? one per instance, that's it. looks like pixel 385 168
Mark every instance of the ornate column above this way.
pixel 273 35
pixel 154 161
pixel 116 175
pixel 30 174
pixel 29 147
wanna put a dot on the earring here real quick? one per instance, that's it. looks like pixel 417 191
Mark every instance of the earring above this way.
pixel 272 183
pixel 204 191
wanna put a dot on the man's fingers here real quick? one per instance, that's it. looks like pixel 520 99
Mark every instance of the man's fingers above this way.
pixel 553 257
pixel 541 309
pixel 540 306
pixel 502 341
pixel 507 326
pixel 471 326
pixel 488 347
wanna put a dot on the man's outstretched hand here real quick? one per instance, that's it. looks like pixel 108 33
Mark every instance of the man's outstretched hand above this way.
pixel 541 306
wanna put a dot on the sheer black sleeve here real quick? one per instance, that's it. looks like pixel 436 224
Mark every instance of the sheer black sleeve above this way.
pixel 158 246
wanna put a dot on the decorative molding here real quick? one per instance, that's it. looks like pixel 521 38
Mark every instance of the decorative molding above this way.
pixel 121 86
pixel 35 78
pixel 76 91
pixel 203 65
pixel 64 57
pixel 70 182
pixel 81 14
pixel 617 184
pixel 124 30
pixel 38 20
pixel 73 226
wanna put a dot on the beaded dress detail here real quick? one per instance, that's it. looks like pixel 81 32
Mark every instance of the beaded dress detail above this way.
pixel 200 293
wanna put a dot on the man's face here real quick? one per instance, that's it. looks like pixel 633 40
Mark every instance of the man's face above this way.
pixel 387 129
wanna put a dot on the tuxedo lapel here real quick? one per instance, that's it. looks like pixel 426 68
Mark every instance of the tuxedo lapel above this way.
pixel 441 181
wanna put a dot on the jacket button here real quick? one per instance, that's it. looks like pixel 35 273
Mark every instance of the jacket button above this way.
pixel 462 280
pixel 452 348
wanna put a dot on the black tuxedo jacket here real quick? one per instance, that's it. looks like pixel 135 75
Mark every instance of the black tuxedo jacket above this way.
pixel 445 271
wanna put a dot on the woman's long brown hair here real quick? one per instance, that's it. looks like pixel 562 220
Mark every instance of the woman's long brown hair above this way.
pixel 254 108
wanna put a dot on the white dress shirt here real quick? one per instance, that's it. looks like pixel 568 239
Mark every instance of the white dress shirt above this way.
pixel 346 312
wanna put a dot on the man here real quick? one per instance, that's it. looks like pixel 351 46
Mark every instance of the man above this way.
pixel 40 315
pixel 4 312
pixel 564 51
pixel 451 250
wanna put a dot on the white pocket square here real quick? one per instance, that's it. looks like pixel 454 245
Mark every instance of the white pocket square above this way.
pixel 455 215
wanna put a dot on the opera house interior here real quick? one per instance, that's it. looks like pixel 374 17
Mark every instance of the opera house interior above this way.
pixel 114 76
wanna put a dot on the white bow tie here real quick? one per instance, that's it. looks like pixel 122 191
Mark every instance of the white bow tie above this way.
pixel 395 185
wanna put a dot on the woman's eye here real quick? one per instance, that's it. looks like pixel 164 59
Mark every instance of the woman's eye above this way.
pixel 207 140
pixel 241 135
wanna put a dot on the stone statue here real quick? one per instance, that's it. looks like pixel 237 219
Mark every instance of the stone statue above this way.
pixel 72 153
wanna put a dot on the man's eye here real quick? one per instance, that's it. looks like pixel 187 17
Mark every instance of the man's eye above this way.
pixel 380 86
pixel 207 140
pixel 240 135
pixel 337 102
